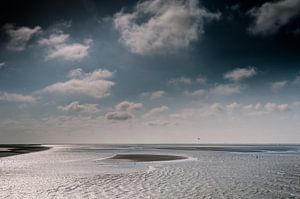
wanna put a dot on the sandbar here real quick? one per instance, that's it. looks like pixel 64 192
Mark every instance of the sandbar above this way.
pixel 146 157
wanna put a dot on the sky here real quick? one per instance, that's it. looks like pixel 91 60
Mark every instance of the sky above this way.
pixel 151 71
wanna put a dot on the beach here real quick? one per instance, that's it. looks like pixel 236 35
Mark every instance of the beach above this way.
pixel 153 171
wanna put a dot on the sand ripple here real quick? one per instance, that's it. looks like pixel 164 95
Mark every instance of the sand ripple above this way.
pixel 63 174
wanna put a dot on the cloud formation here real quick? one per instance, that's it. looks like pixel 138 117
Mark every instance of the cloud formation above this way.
pixel 240 74
pixel 93 84
pixel 153 95
pixel 59 46
pixel 226 89
pixel 233 106
pixel 271 16
pixel 19 36
pixel 13 97
pixel 199 92
pixel 160 123
pixel 276 86
pixel 123 111
pixel 128 106
pixel 204 111
pixel 260 109
pixel 257 109
pixel 180 80
pixel 201 80
pixel 162 25
pixel 230 111
pixel 118 115
pixel 187 80
pixel 96 74
pixel 2 64
pixel 156 110
pixel 271 107
pixel 297 80
pixel 77 107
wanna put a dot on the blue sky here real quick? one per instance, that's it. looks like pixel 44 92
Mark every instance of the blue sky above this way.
pixel 150 71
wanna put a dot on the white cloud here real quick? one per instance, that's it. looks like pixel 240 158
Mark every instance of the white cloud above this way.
pixel 157 94
pixel 91 84
pixel 118 115
pixel 156 110
pixel 201 80
pixel 13 97
pixel 271 16
pixel 19 36
pixel 77 107
pixel 199 92
pixel 128 106
pixel 214 108
pixel 270 107
pixel 2 64
pixel 162 25
pixel 122 111
pixel 180 80
pixel 259 109
pixel 276 86
pixel 251 107
pixel 297 80
pixel 70 52
pixel 54 39
pixel 187 81
pixel 240 74
pixel 96 74
pixel 97 89
pixel 226 89
pixel 204 111
pixel 59 47
pixel 160 123
pixel 233 106
pixel 153 95
pixel 234 110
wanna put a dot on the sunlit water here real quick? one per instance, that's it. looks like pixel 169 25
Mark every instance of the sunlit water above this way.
pixel 82 171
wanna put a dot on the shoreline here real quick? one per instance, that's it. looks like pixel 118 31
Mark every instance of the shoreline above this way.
pixel 146 157
pixel 7 150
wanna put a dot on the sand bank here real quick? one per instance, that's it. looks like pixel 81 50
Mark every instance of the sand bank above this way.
pixel 16 149
pixel 146 157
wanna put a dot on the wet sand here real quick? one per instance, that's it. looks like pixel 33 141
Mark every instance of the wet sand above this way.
pixel 84 171
pixel 237 148
pixel 16 149
pixel 146 157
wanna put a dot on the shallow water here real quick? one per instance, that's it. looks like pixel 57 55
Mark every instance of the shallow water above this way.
pixel 83 171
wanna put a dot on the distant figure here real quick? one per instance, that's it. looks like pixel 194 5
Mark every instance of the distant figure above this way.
pixel 198 140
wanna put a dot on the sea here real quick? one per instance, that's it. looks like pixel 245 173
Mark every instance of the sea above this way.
pixel 209 171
